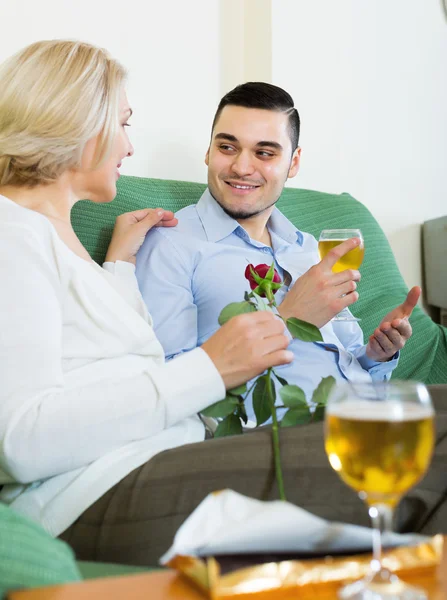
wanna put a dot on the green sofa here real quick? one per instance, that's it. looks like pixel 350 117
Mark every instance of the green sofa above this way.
pixel 30 557
pixel 381 288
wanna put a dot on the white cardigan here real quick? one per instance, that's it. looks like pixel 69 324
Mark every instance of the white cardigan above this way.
pixel 85 394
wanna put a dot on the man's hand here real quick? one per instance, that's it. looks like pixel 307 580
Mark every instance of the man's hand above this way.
pixel 320 294
pixel 247 345
pixel 394 329
pixel 130 230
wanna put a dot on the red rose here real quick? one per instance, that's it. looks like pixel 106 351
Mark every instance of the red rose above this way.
pixel 261 271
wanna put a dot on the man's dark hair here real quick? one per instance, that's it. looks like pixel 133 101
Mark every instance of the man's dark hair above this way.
pixel 257 94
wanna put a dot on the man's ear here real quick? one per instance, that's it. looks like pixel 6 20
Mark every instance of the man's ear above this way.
pixel 207 157
pixel 294 163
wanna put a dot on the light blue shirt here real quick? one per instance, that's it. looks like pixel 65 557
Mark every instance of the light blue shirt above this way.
pixel 187 274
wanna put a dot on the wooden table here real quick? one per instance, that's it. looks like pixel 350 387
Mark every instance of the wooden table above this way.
pixel 161 585
pixel 168 585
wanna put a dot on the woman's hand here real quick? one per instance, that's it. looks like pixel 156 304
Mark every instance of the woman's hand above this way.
pixel 247 345
pixel 130 230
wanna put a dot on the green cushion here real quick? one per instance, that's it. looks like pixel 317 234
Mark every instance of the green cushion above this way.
pixel 93 570
pixel 29 556
pixel 381 289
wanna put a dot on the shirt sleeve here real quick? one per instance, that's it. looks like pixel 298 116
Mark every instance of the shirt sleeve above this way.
pixel 47 427
pixel 164 276
pixel 379 371
pixel 351 336
pixel 124 281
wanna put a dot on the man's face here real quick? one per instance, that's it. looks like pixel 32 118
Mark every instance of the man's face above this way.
pixel 249 160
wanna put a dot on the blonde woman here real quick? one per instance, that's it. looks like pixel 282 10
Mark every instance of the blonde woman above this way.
pixel 85 396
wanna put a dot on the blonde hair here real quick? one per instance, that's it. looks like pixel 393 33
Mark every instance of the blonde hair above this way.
pixel 54 96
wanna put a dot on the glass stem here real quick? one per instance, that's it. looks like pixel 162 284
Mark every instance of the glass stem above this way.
pixel 381 517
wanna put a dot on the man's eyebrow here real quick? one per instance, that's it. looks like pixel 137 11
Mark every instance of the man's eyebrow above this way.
pixel 270 145
pixel 226 136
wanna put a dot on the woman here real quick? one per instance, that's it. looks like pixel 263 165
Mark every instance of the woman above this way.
pixel 85 395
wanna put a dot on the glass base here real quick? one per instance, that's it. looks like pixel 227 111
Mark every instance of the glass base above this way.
pixel 341 317
pixel 374 588
pixel 344 315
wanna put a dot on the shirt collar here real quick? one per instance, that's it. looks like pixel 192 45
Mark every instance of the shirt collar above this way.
pixel 218 225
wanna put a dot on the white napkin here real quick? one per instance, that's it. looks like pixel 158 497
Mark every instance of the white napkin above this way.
pixel 229 523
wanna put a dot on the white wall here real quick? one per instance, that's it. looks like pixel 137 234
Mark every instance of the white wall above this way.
pixel 173 63
pixel 370 82
pixel 369 79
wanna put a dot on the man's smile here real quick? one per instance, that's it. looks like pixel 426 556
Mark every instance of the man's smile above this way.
pixel 241 188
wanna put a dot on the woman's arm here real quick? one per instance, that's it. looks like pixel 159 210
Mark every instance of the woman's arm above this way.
pixel 47 428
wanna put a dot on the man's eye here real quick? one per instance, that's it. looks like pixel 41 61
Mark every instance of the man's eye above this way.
pixel 264 154
pixel 226 147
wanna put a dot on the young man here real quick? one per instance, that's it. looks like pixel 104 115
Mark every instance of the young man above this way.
pixel 187 274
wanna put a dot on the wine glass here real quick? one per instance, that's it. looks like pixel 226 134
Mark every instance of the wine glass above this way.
pixel 379 437
pixel 329 238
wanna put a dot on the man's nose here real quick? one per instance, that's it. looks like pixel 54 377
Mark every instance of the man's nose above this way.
pixel 243 164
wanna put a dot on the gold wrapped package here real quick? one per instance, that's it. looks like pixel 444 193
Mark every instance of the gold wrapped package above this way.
pixel 314 578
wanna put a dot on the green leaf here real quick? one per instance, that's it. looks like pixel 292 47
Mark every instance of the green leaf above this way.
pixel 234 309
pixel 292 396
pixel 255 275
pixel 241 412
pixel 319 413
pixel 222 408
pixel 262 404
pixel 296 416
pixel 270 273
pixel 231 425
pixel 261 304
pixel 238 391
pixel 322 391
pixel 302 330
pixel 281 380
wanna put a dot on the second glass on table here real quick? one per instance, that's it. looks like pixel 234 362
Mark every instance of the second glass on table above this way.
pixel 379 438
pixel 330 238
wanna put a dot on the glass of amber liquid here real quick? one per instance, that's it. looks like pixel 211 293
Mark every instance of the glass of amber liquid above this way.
pixel 379 438
pixel 329 238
